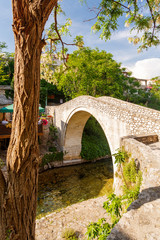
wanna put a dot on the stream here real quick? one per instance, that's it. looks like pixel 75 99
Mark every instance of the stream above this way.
pixel 61 187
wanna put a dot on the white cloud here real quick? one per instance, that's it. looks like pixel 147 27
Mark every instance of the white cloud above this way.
pixel 123 34
pixel 146 69
pixel 120 35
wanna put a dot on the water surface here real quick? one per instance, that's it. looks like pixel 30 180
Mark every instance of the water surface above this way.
pixel 61 187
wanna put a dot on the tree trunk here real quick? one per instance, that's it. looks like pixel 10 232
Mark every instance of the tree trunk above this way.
pixel 2 206
pixel 22 155
pixel 19 194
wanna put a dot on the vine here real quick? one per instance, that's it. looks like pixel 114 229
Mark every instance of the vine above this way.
pixel 115 206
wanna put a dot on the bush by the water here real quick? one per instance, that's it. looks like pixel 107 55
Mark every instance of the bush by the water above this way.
pixel 94 142
pixel 51 157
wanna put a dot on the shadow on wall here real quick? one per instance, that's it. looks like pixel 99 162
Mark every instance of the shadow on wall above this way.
pixel 147 195
pixel 122 231
pixel 118 235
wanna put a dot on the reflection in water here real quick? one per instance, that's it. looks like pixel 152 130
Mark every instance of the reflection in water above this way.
pixel 61 187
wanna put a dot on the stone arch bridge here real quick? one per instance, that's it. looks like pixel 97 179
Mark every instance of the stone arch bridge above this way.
pixel 120 121
pixel 116 117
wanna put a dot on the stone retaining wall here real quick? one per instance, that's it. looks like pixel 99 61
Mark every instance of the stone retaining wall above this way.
pixel 142 220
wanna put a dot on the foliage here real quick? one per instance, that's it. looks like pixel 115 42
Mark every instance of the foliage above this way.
pixel 154 101
pixel 6 66
pixel 94 142
pixel 143 18
pixel 100 229
pixel 51 157
pixel 51 55
pixel 52 135
pixel 133 177
pixel 55 155
pixel 120 156
pixel 96 73
pixel 69 234
pixel 47 89
pixel 53 132
pixel 113 206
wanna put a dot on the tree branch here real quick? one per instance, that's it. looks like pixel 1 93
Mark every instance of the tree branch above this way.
pixel 122 5
pixel 101 9
pixel 154 21
pixel 56 29
pixel 46 7
pixel 94 17
pixel 26 10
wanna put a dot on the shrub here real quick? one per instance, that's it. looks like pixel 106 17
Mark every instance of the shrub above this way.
pixel 51 157
pixel 113 206
pixel 133 177
pixel 101 229
pixel 69 234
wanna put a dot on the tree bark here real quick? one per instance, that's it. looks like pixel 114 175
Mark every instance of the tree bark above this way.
pixel 19 210
pixel 2 206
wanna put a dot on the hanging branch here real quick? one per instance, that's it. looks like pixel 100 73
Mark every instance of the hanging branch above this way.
pixel 56 29
pixel 153 19
pixel 59 38
pixel 101 9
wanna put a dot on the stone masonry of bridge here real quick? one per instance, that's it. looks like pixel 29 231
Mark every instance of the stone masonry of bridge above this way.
pixel 116 117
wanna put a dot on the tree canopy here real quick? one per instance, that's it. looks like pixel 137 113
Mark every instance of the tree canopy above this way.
pixel 142 18
pixel 154 100
pixel 96 73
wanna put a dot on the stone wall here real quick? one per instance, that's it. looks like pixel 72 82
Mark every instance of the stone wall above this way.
pixel 142 220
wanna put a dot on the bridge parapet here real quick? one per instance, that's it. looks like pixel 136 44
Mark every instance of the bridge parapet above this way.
pixel 138 119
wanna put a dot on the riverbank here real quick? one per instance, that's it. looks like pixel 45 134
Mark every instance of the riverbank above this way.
pixel 76 216
pixel 64 163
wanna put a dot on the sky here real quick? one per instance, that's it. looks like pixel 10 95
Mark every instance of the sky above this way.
pixel 145 65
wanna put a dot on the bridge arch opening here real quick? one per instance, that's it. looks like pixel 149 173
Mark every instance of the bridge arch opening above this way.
pixel 94 141
pixel 74 130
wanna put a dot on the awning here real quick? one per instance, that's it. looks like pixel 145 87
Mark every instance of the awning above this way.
pixel 9 108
